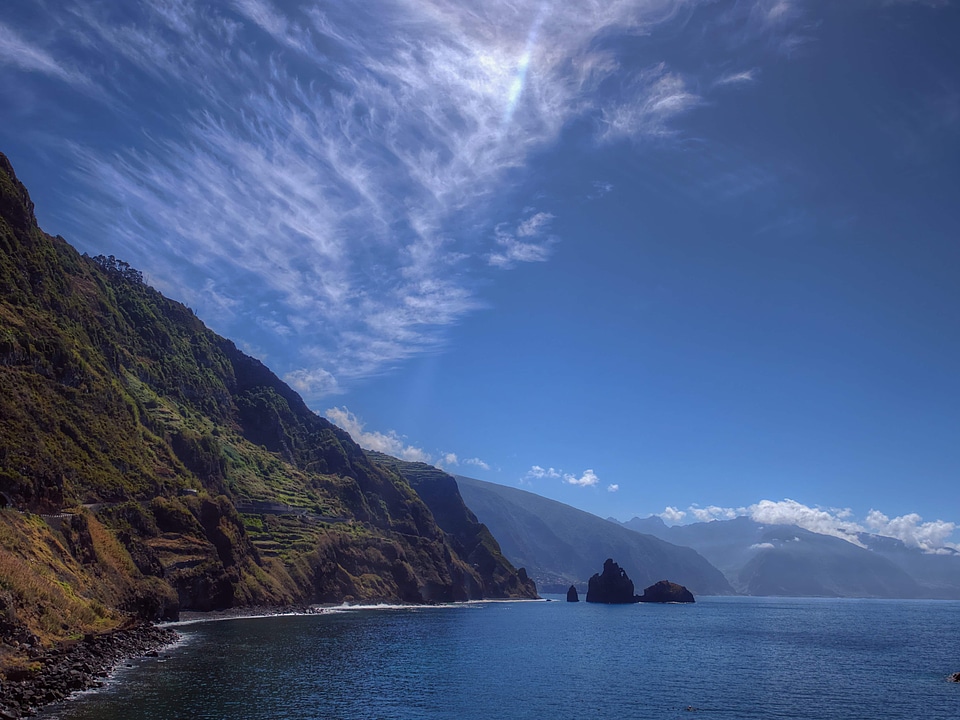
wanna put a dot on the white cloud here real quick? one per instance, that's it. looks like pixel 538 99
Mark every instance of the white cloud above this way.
pixel 534 224
pixel 762 546
pixel 390 443
pixel 528 242
pixel 477 462
pixel 538 473
pixel 933 536
pixel 672 515
pixel 447 460
pixel 600 189
pixel 832 521
pixel 912 531
pixel 712 512
pixel 745 77
pixel 316 382
pixel 18 53
pixel 587 479
pixel 658 96
pixel 613 487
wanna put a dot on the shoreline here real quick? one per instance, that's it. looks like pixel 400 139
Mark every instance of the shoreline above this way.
pixel 191 617
pixel 75 666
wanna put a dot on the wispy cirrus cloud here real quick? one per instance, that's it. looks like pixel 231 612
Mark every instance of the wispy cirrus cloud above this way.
pixel 744 77
pixel 655 98
pixel 315 182
pixel 19 53
pixel 529 241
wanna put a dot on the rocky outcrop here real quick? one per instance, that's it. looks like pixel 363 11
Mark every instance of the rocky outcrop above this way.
pixel 572 594
pixel 612 586
pixel 557 544
pixel 666 592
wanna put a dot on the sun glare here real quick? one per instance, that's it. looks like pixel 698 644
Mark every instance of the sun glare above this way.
pixel 520 77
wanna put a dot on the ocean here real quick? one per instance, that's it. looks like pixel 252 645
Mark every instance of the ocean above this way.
pixel 730 658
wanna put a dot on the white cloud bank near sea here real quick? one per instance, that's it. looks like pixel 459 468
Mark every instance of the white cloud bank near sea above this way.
pixel 931 536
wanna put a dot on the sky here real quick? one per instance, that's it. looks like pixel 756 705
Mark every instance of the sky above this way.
pixel 694 258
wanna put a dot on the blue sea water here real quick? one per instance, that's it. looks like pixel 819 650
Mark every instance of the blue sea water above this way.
pixel 722 658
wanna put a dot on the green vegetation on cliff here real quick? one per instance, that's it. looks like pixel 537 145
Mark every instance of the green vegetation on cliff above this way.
pixel 470 538
pixel 192 477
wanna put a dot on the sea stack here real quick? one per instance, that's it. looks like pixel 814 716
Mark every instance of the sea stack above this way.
pixel 666 592
pixel 572 594
pixel 612 586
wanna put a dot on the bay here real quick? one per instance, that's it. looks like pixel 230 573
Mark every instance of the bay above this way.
pixel 719 658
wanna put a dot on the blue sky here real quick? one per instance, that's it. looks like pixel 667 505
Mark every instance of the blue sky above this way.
pixel 685 257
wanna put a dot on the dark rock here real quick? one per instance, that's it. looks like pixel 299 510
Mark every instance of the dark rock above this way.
pixel 666 592
pixel 75 666
pixel 612 586
pixel 572 595
pixel 955 677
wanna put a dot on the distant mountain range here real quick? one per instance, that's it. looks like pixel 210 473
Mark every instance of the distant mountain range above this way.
pixel 561 546
pixel 787 560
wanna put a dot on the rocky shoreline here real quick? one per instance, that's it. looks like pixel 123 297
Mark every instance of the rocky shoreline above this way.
pixel 54 674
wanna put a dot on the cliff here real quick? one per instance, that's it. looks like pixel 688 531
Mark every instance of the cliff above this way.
pixel 492 574
pixel 147 465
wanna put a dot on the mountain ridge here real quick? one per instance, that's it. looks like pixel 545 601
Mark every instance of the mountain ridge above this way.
pixel 561 545
pixel 765 559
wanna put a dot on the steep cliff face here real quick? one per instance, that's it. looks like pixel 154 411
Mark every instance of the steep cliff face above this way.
pixel 489 573
pixel 121 407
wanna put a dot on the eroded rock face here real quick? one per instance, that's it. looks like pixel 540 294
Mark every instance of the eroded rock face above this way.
pixel 572 594
pixel 612 586
pixel 666 592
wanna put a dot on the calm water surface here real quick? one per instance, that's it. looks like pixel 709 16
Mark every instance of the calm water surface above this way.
pixel 727 657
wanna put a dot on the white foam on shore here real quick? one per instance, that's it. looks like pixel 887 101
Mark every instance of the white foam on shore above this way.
pixel 215 616
pixel 114 677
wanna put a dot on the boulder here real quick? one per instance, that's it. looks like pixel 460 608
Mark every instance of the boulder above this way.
pixel 612 586
pixel 666 592
pixel 572 594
